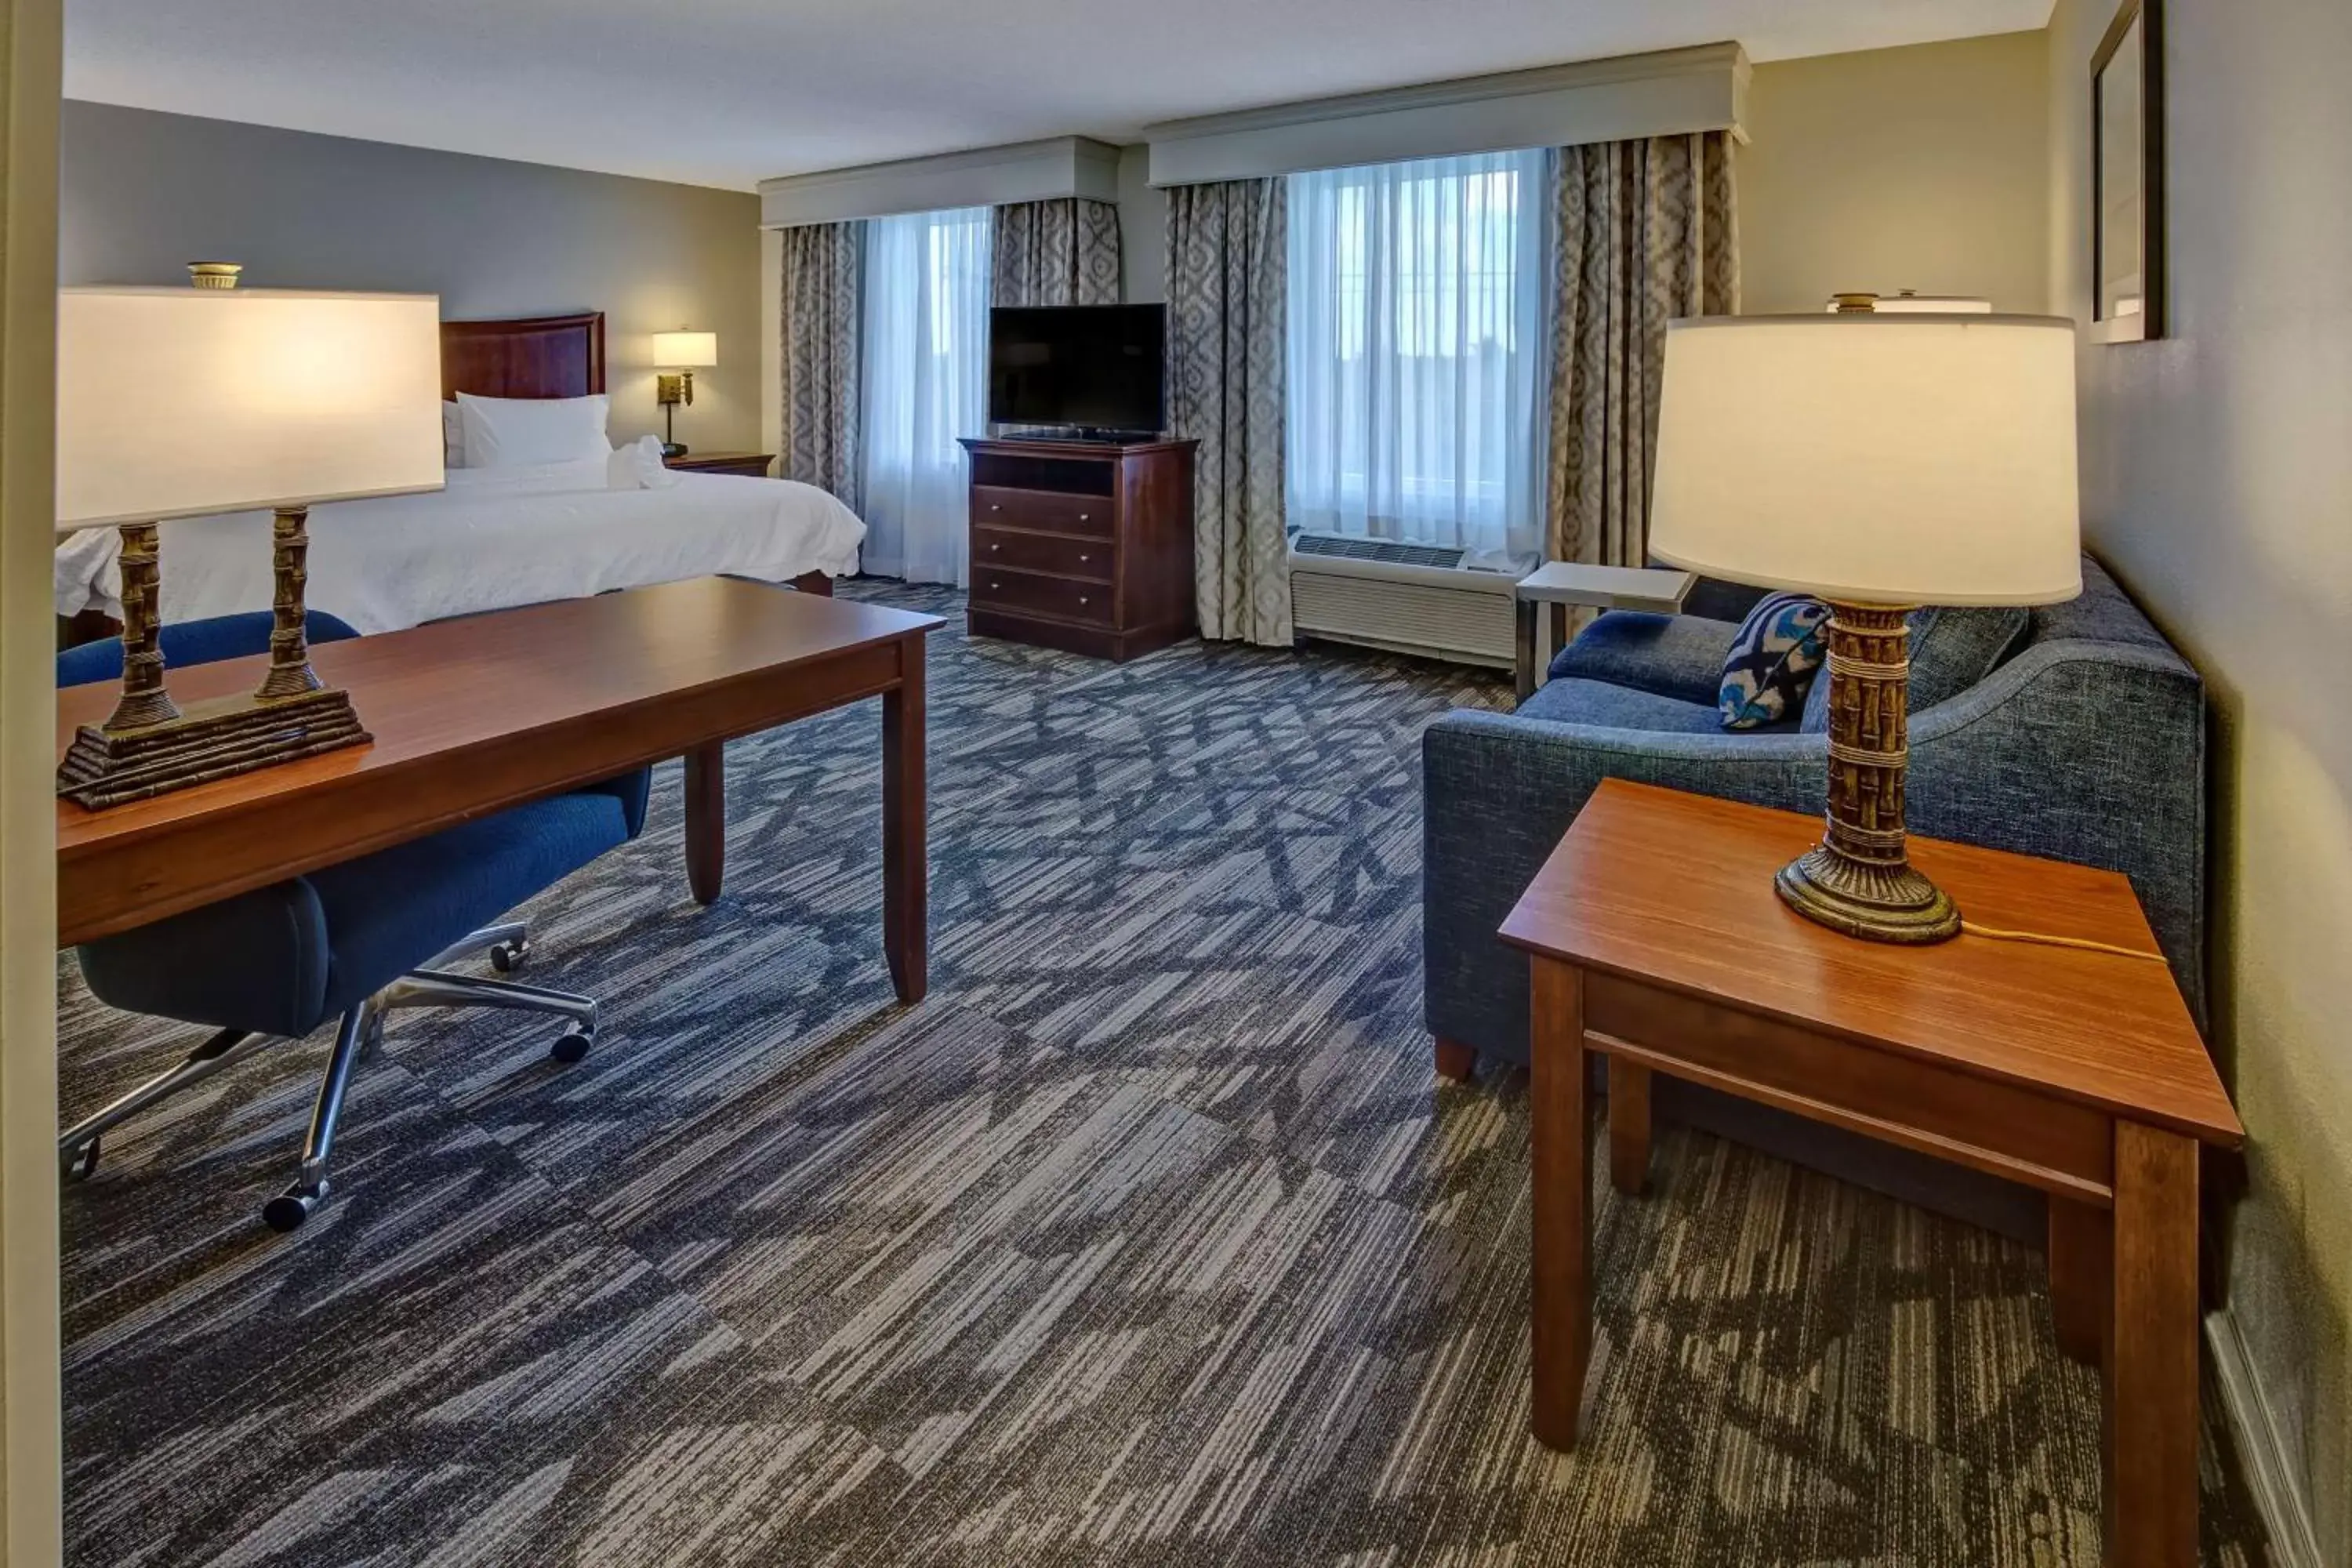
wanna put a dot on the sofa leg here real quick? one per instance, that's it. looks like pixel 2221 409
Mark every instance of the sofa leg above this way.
pixel 1454 1059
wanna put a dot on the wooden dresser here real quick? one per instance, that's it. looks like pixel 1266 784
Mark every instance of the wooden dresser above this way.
pixel 1082 545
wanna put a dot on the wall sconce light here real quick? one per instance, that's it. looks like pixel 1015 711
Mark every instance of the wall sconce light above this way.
pixel 676 356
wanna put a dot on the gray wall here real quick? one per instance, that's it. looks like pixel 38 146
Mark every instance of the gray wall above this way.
pixel 145 193
pixel 2217 481
pixel 1142 229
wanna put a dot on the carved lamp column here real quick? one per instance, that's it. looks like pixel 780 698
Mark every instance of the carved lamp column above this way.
pixel 176 402
pixel 1879 462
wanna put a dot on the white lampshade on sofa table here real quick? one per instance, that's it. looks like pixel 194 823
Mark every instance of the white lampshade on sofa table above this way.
pixel 183 402
pixel 1879 462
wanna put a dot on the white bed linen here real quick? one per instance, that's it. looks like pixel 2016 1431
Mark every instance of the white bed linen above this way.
pixel 494 539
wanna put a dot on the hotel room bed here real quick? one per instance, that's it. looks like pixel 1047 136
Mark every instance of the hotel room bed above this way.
pixel 495 538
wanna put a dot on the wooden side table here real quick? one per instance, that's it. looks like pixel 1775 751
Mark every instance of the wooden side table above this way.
pixel 1560 584
pixel 751 465
pixel 1655 938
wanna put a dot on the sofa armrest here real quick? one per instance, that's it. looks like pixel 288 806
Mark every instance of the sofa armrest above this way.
pixel 1497 792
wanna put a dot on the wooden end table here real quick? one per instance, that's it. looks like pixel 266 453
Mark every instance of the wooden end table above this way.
pixel 1655 938
pixel 1560 584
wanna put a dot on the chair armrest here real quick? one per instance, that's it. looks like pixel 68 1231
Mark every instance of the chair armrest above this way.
pixel 633 790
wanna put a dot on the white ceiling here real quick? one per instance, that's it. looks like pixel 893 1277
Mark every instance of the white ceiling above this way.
pixel 727 92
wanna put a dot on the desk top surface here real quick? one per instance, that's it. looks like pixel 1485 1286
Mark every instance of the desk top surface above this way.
pixel 442 689
pixel 1675 891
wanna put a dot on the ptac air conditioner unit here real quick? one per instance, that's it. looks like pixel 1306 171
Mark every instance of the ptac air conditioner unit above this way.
pixel 1405 598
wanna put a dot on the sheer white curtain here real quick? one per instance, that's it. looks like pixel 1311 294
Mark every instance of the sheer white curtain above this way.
pixel 926 374
pixel 1415 344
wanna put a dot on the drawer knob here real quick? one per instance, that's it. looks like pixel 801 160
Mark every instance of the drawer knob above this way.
pixel 993 507
pixel 1084 559
pixel 992 549
pixel 1081 517
pixel 993 587
pixel 1081 598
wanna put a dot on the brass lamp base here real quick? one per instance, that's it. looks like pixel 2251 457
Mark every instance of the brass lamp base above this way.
pixel 213 740
pixel 1858 879
pixel 1877 903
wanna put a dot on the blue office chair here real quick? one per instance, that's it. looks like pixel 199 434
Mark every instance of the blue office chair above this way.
pixel 356 940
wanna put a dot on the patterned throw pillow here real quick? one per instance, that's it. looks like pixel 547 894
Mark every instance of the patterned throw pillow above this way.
pixel 1772 660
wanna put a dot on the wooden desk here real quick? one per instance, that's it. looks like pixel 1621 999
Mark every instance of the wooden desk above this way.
pixel 470 716
pixel 1655 938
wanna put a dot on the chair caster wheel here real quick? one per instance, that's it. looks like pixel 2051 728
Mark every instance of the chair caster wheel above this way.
pixel 572 1047
pixel 79 1166
pixel 290 1208
pixel 506 957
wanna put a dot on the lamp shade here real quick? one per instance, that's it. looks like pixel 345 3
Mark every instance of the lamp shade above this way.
pixel 179 401
pixel 685 351
pixel 1877 459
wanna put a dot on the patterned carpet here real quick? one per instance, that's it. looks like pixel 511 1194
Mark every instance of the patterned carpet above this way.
pixel 1149 1238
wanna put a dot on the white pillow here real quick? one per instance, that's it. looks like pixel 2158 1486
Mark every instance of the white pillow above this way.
pixel 453 437
pixel 638 467
pixel 510 432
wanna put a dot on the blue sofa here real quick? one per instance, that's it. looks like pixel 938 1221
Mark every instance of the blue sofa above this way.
pixel 2072 732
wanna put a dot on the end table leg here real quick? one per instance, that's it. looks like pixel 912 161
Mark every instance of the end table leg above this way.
pixel 1560 1094
pixel 1527 649
pixel 706 821
pixel 2082 1260
pixel 2151 1384
pixel 1629 1126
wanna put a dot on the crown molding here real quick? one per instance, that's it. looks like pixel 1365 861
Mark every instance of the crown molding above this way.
pixel 981 176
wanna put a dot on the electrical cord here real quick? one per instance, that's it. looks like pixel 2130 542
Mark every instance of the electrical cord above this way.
pixel 2045 939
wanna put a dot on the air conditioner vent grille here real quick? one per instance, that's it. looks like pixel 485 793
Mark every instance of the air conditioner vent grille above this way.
pixel 1341 547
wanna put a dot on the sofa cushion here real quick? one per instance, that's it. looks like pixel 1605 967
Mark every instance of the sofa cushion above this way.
pixel 1952 648
pixel 1668 655
pixel 1571 700
pixel 1771 661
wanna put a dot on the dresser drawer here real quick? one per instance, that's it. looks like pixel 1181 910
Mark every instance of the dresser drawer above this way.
pixel 1055 510
pixel 1027 593
pixel 1089 558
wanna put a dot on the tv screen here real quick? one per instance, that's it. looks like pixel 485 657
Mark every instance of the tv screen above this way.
pixel 1093 366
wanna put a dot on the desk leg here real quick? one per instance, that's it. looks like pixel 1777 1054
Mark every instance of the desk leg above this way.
pixel 2081 1262
pixel 706 821
pixel 1560 1096
pixel 1629 1126
pixel 1527 649
pixel 906 917
pixel 2151 1384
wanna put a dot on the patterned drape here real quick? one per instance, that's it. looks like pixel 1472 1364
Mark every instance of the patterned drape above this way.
pixel 1647 231
pixel 1226 263
pixel 1063 251
pixel 820 325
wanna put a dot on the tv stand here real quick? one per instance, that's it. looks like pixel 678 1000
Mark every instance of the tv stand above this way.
pixel 1082 545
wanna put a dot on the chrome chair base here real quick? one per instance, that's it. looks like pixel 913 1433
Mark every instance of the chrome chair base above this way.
pixel 358 1038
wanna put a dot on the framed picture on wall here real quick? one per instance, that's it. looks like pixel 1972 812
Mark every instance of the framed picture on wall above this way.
pixel 2127 176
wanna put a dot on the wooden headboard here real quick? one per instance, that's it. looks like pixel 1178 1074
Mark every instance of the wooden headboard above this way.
pixel 540 356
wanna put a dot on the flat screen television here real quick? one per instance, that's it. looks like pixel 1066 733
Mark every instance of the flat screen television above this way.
pixel 1094 369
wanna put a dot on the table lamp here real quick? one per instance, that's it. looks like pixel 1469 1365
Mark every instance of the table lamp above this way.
pixel 676 356
pixel 178 403
pixel 1879 462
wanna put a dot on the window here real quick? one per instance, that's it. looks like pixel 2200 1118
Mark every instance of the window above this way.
pixel 1415 324
pixel 925 371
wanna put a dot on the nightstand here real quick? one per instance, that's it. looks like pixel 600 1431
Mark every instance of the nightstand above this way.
pixel 751 465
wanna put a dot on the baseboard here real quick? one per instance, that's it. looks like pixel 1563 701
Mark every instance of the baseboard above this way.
pixel 2286 1513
